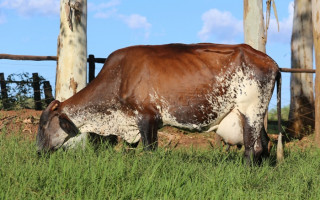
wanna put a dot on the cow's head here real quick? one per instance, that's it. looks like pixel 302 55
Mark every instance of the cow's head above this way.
pixel 55 128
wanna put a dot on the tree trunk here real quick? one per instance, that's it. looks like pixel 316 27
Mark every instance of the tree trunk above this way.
pixel 301 115
pixel 253 24
pixel 254 34
pixel 72 49
pixel 316 37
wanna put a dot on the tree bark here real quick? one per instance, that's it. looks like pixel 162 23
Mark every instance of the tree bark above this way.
pixel 72 49
pixel 301 115
pixel 253 23
pixel 316 37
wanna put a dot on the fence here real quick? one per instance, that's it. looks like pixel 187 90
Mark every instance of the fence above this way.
pixel 91 60
pixel 91 71
pixel 36 83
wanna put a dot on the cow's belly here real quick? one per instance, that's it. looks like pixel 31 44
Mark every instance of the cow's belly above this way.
pixel 199 118
pixel 187 120
pixel 231 128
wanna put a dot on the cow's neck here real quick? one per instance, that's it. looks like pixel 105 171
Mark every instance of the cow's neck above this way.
pixel 105 120
pixel 87 118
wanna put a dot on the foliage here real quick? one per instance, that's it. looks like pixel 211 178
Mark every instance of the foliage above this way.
pixel 20 93
pixel 163 174
pixel 272 114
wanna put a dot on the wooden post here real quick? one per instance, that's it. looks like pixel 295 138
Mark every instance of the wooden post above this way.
pixel 47 92
pixel 72 49
pixel 316 41
pixel 92 67
pixel 4 92
pixel 36 91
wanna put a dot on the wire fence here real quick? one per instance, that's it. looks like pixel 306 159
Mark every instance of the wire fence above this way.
pixel 22 93
pixel 46 90
pixel 9 101
pixel 304 113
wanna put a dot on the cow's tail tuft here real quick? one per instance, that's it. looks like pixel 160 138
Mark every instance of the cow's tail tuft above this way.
pixel 280 156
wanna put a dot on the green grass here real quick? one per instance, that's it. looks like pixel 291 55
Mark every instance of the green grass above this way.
pixel 163 174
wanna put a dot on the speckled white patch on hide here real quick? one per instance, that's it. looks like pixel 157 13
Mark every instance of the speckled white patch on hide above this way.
pixel 242 92
pixel 114 123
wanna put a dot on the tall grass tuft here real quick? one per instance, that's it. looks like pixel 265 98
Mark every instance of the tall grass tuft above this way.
pixel 163 174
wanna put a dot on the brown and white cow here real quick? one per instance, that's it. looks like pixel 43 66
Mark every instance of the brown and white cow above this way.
pixel 198 87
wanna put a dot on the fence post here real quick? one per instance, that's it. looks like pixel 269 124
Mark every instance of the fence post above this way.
pixel 36 91
pixel 92 67
pixel 47 92
pixel 4 92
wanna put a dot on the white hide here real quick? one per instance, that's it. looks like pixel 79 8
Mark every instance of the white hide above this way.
pixel 114 123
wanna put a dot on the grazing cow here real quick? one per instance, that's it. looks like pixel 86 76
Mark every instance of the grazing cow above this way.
pixel 199 87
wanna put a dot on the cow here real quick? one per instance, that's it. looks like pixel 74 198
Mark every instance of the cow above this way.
pixel 198 87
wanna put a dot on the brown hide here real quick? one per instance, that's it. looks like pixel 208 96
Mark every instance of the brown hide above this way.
pixel 179 72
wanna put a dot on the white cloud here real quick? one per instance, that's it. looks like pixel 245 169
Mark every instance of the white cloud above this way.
pixel 104 10
pixel 32 7
pixel 136 21
pixel 224 27
pixel 109 10
pixel 221 25
pixel 284 35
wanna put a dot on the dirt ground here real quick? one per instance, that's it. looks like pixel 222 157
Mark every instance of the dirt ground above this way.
pixel 25 122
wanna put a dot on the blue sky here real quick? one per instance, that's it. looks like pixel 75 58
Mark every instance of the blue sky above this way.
pixel 31 27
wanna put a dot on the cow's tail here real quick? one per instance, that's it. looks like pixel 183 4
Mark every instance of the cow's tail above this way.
pixel 280 156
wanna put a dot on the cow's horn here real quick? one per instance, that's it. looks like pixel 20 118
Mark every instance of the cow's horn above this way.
pixel 54 105
pixel 280 157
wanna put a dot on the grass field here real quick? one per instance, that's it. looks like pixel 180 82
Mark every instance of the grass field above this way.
pixel 163 174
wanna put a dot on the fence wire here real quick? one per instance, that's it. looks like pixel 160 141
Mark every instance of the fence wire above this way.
pixel 21 96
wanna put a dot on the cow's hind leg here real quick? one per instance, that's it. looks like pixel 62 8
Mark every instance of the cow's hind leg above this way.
pixel 148 127
pixel 253 139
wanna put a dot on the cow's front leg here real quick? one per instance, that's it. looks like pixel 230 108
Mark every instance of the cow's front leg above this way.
pixel 148 126
pixel 265 143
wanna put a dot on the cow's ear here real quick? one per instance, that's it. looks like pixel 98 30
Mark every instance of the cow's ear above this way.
pixel 68 126
pixel 47 113
pixel 54 105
